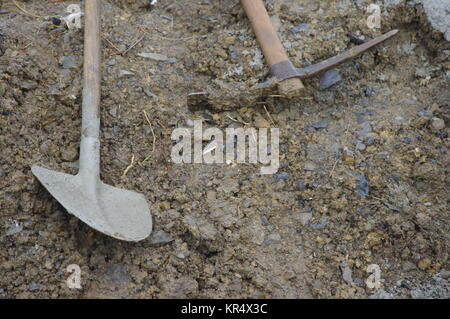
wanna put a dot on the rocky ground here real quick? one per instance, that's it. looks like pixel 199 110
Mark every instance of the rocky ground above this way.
pixel 364 158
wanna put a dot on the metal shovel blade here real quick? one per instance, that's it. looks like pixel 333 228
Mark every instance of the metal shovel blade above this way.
pixel 119 213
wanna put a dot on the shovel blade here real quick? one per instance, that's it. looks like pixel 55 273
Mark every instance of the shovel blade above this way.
pixel 115 212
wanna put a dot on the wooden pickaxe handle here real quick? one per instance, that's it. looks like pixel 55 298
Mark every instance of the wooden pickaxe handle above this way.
pixel 271 45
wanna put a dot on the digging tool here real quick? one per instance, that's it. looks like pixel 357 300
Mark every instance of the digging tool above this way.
pixel 119 213
pixel 280 66
pixel 272 48
pixel 237 96
pixel 287 76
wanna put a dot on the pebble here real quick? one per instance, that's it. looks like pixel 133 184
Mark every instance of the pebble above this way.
pixel 281 176
pixel 299 27
pixel 309 167
pixel 366 128
pixel 408 266
pixel 360 146
pixel 346 273
pixel 384 155
pixel 264 220
pixel 69 155
pixel 160 238
pixel 68 62
pixel 369 91
pixel 362 188
pixel 305 218
pixel 56 21
pixel 271 239
pixel 123 73
pixel 358 281
pixel 14 229
pixel 370 141
pixel 200 228
pixel 34 287
pixel 301 185
pixel 356 39
pixel 149 93
pixel 323 223
pixel 437 124
pixel 113 111
pixel 321 124
pixel 424 264
pixel 153 56
pixel 116 130
pixel 329 78
pixel 426 113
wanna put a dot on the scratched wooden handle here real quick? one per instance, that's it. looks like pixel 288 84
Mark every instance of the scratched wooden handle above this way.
pixel 271 45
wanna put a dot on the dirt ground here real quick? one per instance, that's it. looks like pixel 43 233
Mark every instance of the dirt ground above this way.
pixel 364 164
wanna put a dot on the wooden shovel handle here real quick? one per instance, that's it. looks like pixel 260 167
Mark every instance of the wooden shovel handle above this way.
pixel 91 72
pixel 271 46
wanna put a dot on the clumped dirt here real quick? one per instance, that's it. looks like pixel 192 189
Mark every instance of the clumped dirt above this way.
pixel 364 164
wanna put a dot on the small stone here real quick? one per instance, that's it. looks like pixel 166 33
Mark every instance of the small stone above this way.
pixel 271 239
pixel 14 229
pixel 68 62
pixel 28 85
pixel 281 176
pixel 160 238
pixel 425 113
pixel 264 220
pixel 153 56
pixel 408 266
pixel 149 93
pixel 365 129
pixel 56 21
pixel 69 155
pixel 329 78
pixel 301 185
pixel 362 188
pixel 305 218
pixel 321 124
pixel 111 62
pixel 66 37
pixel 124 73
pixel 309 167
pixel 299 27
pixel 34 286
pixel 370 141
pixel 346 273
pixel 200 228
pixel 113 111
pixel 138 276
pixel 229 40
pixel 360 146
pixel 358 281
pixel 116 130
pixel 437 124
pixel 369 91
pixel 424 264
pixel 323 223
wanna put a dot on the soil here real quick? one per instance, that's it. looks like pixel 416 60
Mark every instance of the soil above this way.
pixel 364 164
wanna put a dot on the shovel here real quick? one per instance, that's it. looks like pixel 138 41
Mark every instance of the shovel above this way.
pixel 119 213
